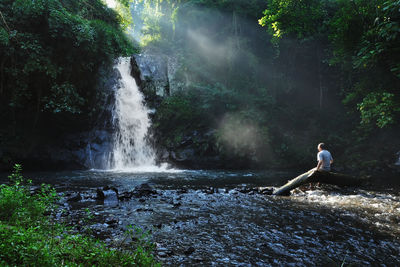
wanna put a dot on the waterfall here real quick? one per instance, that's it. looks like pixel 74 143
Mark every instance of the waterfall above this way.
pixel 132 150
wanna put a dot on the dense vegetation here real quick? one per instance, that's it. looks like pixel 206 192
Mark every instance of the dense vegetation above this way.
pixel 30 236
pixel 52 53
pixel 318 71
pixel 258 81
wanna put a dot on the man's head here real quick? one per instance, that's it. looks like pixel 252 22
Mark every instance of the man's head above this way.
pixel 321 146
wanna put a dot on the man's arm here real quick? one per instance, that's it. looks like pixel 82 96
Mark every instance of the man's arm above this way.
pixel 319 164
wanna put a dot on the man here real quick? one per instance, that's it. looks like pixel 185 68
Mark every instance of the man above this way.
pixel 324 158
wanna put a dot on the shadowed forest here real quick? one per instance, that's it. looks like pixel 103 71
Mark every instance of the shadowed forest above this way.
pixel 258 83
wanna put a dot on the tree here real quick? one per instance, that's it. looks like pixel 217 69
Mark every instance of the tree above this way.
pixel 359 38
pixel 50 54
pixel 365 38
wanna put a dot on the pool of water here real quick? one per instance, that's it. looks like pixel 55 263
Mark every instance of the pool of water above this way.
pixel 193 224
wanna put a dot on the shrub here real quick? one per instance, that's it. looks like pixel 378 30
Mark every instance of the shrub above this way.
pixel 30 236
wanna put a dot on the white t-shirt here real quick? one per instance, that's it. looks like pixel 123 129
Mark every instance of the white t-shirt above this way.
pixel 326 158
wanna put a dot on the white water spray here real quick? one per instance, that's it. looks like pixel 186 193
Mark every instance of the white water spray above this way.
pixel 131 147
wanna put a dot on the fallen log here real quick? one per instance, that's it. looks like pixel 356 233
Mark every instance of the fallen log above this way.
pixel 313 176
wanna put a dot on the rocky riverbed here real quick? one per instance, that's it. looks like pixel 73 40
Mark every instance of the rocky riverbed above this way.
pixel 229 218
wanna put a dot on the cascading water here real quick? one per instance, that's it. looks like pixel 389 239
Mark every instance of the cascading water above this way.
pixel 131 147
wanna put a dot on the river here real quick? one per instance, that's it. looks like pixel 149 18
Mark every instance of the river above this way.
pixel 216 218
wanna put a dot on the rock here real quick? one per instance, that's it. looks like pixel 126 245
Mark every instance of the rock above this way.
pixel 158 225
pixel 164 155
pixel 244 190
pixel 100 194
pixel 189 251
pixel 162 254
pixel 111 220
pixel 198 259
pixel 142 209
pixel 111 197
pixel 125 196
pixel 265 190
pixel 144 190
pixel 211 190
pixel 35 189
pixel 155 74
pixel 397 163
pixel 115 190
pixel 75 197
pixel 108 195
pixel 177 205
pixel 187 154
pixel 182 191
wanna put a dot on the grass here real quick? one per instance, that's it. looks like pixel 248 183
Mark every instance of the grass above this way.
pixel 31 237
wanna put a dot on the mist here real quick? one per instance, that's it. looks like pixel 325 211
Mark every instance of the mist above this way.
pixel 239 78
pixel 239 136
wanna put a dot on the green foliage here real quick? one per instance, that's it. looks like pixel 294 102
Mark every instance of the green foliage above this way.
pixel 50 54
pixel 31 237
pixel 63 98
pixel 142 245
pixel 176 117
pixel 362 39
pixel 18 206
pixel 291 17
pixel 365 37
pixel 378 108
pixel 4 37
pixel 216 118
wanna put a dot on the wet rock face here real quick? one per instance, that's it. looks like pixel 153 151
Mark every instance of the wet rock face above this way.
pixel 397 163
pixel 155 74
pixel 84 150
pixel 197 150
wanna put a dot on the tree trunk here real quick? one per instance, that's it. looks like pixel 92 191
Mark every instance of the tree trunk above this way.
pixel 321 92
pixel 2 75
pixel 313 176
